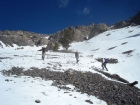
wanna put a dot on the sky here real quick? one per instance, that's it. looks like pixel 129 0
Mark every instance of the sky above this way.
pixel 24 90
pixel 50 16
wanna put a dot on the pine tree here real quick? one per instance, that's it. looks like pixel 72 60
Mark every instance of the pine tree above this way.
pixel 66 39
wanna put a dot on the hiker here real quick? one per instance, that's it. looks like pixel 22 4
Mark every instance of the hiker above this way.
pixel 77 56
pixel 104 61
pixel 43 52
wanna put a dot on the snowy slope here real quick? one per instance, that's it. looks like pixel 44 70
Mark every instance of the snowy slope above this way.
pixel 25 90
pixel 128 66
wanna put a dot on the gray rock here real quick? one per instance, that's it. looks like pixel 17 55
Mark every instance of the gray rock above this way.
pixel 132 21
pixel 97 29
pixel 1 32
pixel 120 25
pixel 22 38
pixel 37 101
pixel 77 35
pixel 43 41
pixel 7 80
pixel 86 82
pixel 85 29
pixel 88 101
pixel 136 19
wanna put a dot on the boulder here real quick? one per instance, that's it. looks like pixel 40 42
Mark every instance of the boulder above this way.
pixel 37 101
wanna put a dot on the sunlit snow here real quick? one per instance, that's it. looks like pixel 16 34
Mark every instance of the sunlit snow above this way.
pixel 25 90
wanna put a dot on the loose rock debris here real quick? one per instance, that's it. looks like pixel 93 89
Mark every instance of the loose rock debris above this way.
pixel 112 92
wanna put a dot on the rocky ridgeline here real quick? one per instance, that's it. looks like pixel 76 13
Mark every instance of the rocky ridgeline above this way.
pixel 22 38
pixel 81 33
pixel 132 21
pixel 114 93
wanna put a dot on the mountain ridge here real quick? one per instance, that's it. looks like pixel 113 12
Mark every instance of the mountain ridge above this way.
pixel 80 33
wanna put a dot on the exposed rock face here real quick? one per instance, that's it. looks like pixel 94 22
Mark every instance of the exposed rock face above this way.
pixel 85 29
pixel 1 32
pixel 50 45
pixel 136 19
pixel 43 41
pixel 54 38
pixel 6 40
pixel 120 25
pixel 132 21
pixel 22 38
pixel 77 35
pixel 81 33
pixel 97 29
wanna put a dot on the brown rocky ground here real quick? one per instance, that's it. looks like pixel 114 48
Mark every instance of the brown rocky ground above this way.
pixel 112 92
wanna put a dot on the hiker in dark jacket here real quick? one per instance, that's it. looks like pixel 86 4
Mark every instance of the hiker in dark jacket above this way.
pixel 104 61
pixel 43 52
pixel 77 56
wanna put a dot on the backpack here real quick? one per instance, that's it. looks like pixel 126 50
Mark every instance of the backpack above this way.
pixel 43 50
pixel 106 60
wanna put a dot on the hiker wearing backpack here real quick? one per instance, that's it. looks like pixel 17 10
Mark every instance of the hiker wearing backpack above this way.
pixel 43 52
pixel 77 56
pixel 104 62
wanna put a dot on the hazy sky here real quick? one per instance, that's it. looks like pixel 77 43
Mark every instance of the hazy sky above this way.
pixel 50 16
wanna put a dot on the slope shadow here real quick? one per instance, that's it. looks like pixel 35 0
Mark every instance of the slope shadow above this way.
pixel 136 35
pixel 133 36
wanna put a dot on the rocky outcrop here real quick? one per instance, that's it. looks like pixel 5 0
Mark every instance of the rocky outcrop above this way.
pixel 6 41
pixel 50 45
pixel 132 21
pixel 80 33
pixel 85 29
pixel 43 41
pixel 77 35
pixel 120 25
pixel 22 38
pixel 97 29
pixel 136 19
